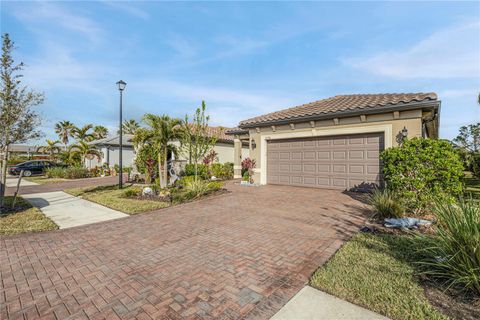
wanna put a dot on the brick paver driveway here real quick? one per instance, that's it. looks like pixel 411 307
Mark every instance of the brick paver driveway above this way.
pixel 238 255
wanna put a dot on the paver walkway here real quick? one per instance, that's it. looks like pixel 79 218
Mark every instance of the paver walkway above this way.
pixel 239 255
pixel 313 304
pixel 68 211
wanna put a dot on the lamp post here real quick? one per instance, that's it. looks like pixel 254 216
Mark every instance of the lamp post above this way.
pixel 121 86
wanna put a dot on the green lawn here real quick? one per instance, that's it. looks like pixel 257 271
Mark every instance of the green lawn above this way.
pixel 114 198
pixel 375 271
pixel 45 180
pixel 24 218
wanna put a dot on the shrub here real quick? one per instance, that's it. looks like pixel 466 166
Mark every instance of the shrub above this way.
pixel 68 173
pixel 194 189
pixel 247 165
pixel 453 252
pixel 386 204
pixel 475 165
pixel 222 171
pixel 423 169
pixel 201 170
pixel 132 192
pixel 146 161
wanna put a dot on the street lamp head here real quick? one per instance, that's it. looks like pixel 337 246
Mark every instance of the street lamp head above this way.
pixel 121 85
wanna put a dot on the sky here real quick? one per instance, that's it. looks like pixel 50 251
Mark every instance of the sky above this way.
pixel 243 58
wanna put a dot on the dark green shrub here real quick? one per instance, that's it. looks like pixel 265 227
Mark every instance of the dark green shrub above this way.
pixel 423 169
pixel 452 254
pixel 386 204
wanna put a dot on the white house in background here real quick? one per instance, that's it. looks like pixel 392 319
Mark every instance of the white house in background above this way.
pixel 109 147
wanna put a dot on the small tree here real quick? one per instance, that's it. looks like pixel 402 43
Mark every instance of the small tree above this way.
pixel 83 133
pixel 130 126
pixel 100 132
pixel 469 138
pixel 64 131
pixel 162 131
pixel 421 170
pixel 18 120
pixel 196 139
pixel 84 151
pixel 51 148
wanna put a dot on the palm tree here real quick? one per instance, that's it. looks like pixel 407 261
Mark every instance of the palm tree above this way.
pixel 100 132
pixel 83 134
pixel 161 130
pixel 51 148
pixel 130 126
pixel 84 151
pixel 64 130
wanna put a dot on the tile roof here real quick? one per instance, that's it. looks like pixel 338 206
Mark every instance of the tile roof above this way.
pixel 340 104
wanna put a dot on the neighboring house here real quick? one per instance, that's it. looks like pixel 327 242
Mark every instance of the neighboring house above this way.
pixel 334 143
pixel 110 149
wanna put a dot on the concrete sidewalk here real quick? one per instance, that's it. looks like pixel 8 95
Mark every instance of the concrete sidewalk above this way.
pixel 69 211
pixel 313 304
pixel 12 182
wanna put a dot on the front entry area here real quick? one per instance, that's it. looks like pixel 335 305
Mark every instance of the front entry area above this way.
pixel 343 162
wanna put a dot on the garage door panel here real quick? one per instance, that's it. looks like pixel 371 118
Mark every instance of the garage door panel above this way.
pixel 337 162
pixel 339 155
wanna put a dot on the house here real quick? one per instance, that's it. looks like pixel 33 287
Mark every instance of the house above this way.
pixel 334 143
pixel 109 148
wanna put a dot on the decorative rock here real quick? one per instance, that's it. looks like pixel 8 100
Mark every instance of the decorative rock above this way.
pixel 147 191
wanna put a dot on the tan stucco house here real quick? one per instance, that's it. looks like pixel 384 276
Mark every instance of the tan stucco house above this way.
pixel 334 143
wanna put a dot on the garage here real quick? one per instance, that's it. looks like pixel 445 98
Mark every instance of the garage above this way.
pixel 342 162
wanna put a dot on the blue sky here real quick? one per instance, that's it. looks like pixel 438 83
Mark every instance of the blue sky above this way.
pixel 242 58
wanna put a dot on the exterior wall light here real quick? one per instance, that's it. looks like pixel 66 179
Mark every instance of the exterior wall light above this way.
pixel 404 132
pixel 253 144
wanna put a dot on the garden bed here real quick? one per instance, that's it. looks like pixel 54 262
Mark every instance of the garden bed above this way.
pixel 131 201
pixel 24 218
pixel 378 272
pixel 114 198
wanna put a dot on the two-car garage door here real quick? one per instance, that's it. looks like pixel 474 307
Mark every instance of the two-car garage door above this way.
pixel 334 162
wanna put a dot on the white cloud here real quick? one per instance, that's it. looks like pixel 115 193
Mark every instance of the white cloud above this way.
pixel 48 12
pixel 449 53
pixel 127 7
pixel 226 106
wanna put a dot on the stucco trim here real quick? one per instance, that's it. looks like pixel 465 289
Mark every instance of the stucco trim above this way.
pixel 318 132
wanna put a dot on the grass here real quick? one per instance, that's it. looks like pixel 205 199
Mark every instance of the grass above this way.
pixel 45 180
pixel 24 218
pixel 112 197
pixel 376 272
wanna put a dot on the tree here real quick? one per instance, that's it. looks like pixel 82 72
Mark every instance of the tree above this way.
pixel 130 126
pixel 100 132
pixel 51 148
pixel 160 132
pixel 469 138
pixel 18 121
pixel 64 130
pixel 83 134
pixel 85 151
pixel 196 138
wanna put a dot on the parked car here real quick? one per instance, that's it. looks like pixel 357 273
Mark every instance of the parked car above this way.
pixel 34 167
